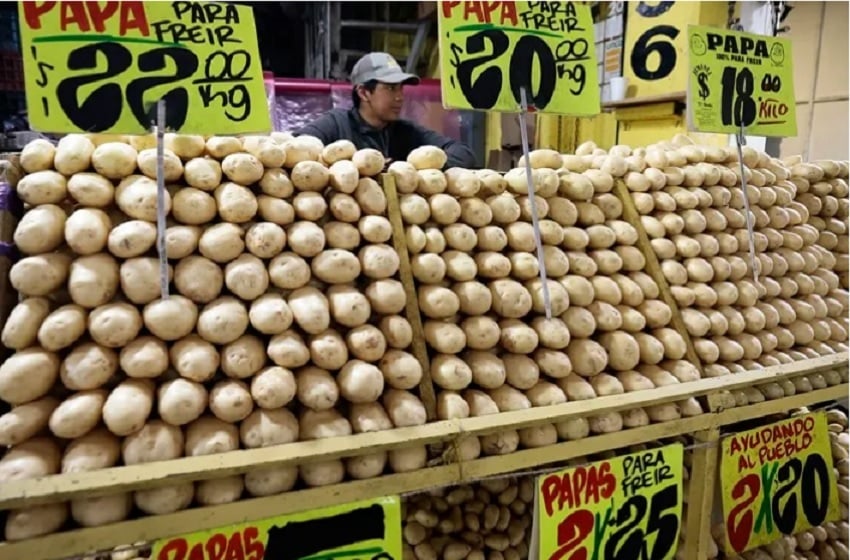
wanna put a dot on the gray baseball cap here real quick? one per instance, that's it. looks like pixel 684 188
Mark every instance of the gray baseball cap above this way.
pixel 382 67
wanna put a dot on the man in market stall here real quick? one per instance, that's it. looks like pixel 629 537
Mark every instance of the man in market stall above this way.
pixel 373 121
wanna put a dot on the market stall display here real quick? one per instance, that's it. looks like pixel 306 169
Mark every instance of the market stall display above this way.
pixel 697 228
pixel 273 290
pixel 294 315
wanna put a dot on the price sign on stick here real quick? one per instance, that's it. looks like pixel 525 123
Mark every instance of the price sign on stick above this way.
pixel 369 530
pixel 103 66
pixel 777 480
pixel 740 80
pixel 490 50
pixel 626 508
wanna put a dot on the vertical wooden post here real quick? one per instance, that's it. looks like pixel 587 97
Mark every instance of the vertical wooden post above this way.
pixel 414 317
pixel 653 268
pixel 701 494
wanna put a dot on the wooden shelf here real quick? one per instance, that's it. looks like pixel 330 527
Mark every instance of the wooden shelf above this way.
pixel 123 479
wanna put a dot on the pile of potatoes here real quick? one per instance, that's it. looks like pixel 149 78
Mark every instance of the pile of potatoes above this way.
pixel 476 267
pixel 827 542
pixel 825 196
pixel 693 210
pixel 285 320
pixel 488 520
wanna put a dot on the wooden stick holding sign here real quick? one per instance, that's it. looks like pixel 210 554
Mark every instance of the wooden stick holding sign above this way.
pixel 159 129
pixel 535 219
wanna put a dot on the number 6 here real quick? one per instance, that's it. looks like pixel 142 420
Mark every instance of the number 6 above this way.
pixel 644 46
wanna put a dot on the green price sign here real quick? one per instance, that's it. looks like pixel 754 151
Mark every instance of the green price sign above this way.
pixel 740 80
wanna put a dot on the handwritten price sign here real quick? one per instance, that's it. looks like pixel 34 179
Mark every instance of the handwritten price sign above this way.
pixel 102 67
pixel 368 530
pixel 627 508
pixel 740 79
pixel 489 50
pixel 777 480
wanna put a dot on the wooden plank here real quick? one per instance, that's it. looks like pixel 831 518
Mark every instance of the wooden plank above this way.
pixel 653 268
pixel 411 307
pixel 703 477
pixel 122 479
pixel 766 408
pixel 83 541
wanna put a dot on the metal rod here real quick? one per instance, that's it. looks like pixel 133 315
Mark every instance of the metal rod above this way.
pixel 160 198
pixel 535 222
pixel 741 141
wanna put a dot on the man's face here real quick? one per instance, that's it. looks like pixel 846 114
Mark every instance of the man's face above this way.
pixel 386 101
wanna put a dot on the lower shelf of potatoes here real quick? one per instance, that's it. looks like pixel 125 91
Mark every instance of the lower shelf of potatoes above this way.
pixel 462 505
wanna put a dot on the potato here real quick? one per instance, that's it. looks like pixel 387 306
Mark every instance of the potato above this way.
pixel 172 318
pixel 243 357
pixel 235 202
pixel 223 320
pixel 231 401
pixel 273 387
pixel 427 157
pixel 193 206
pixel 246 277
pixel 397 330
pixel 62 327
pixel 78 414
pixel 27 420
pixel 136 196
pixel 264 428
pixel 242 168
pixel 316 388
pixel 587 357
pixel 360 382
pixel 172 166
pixel 128 406
pixel 40 275
pixel 131 239
pixel 181 241
pixel 41 229
pixel 208 436
pixel 203 173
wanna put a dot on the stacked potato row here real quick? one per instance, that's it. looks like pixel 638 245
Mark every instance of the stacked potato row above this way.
pixel 830 540
pixel 488 520
pixel 474 259
pixel 283 322
pixel 695 217
pixel 822 189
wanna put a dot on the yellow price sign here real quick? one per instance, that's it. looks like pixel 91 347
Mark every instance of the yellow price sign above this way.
pixel 102 67
pixel 740 79
pixel 777 480
pixel 490 50
pixel 368 530
pixel 625 508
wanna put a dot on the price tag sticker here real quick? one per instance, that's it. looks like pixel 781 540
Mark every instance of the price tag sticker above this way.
pixel 102 67
pixel 777 480
pixel 489 50
pixel 369 530
pixel 740 79
pixel 626 508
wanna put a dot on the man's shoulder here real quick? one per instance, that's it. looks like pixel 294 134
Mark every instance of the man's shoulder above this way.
pixel 335 116
pixel 331 123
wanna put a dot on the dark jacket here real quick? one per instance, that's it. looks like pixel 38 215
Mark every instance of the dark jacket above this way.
pixel 395 141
